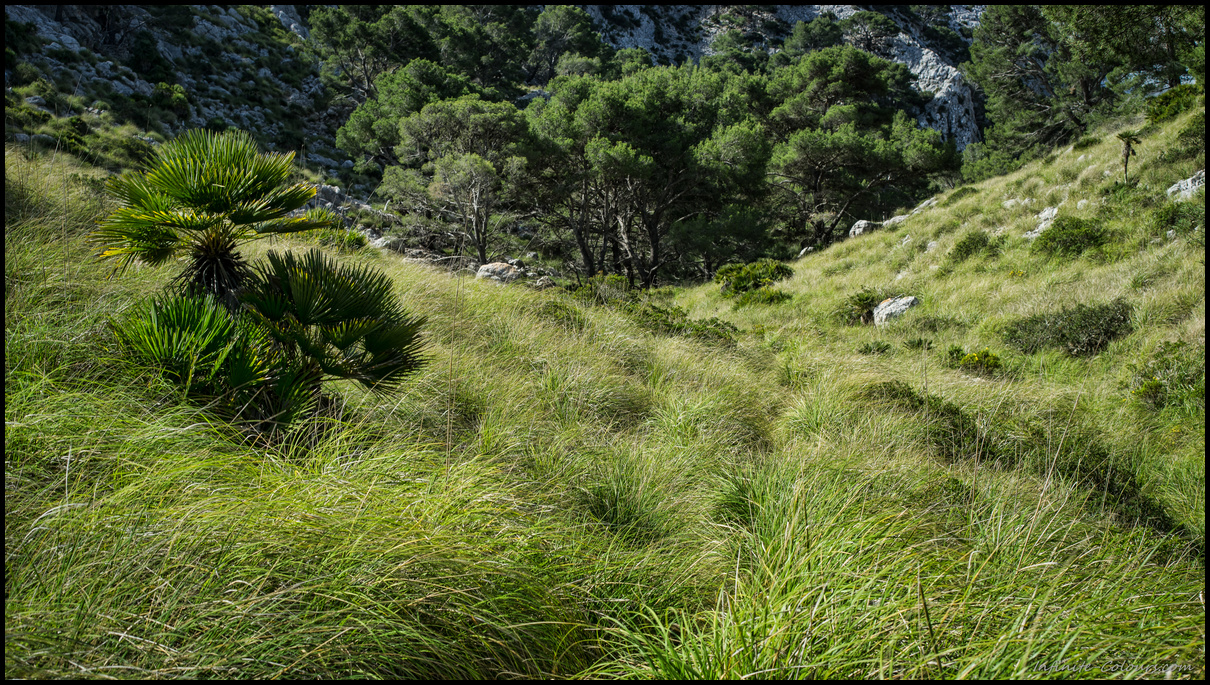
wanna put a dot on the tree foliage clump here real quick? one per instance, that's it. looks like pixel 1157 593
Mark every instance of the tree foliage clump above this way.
pixel 1050 73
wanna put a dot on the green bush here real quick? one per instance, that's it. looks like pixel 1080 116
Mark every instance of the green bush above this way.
pixel 764 295
pixel 982 362
pixel 171 96
pixel 1174 376
pixel 858 308
pixel 1069 236
pixel 1182 217
pixel 874 347
pixel 973 243
pixel 675 320
pixel 736 279
pixel 1081 331
pixel 918 344
pixel 1171 103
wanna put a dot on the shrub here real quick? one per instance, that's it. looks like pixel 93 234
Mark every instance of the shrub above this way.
pixel 1069 236
pixel 973 243
pixel 921 344
pixel 1081 331
pixel 1171 103
pixel 982 362
pixel 858 308
pixel 675 320
pixel 737 279
pixel 1182 217
pixel 764 295
pixel 1174 376
pixel 874 347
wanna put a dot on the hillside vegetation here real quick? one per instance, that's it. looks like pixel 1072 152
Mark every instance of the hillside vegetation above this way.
pixel 1007 481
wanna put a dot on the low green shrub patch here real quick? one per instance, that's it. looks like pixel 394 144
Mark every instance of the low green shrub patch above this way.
pixel 1171 103
pixel 764 295
pixel 1174 376
pixel 975 243
pixel 1081 331
pixel 983 362
pixel 674 320
pixel 1182 217
pixel 737 279
pixel 1069 236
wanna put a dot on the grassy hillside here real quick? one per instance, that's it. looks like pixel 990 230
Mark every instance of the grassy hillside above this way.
pixel 563 492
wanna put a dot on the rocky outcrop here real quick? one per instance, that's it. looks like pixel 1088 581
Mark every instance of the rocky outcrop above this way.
pixel 217 59
pixel 1184 189
pixel 892 308
pixel 862 227
pixel 500 271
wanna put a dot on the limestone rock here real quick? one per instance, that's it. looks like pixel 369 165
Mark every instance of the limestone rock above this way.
pixel 500 271
pixel 892 308
pixel 862 227
pixel 1183 190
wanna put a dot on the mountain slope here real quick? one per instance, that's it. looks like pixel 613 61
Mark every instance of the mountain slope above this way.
pixel 572 489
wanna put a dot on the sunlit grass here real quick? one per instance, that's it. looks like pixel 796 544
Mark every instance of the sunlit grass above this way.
pixel 560 493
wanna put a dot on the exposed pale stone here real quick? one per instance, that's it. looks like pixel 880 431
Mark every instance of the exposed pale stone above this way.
pixel 1184 189
pixel 499 271
pixel 863 227
pixel 892 308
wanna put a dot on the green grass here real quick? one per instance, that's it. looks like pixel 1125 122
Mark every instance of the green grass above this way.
pixel 567 490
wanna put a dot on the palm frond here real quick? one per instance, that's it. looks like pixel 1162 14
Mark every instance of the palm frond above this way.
pixel 188 338
pixel 343 318
pixel 312 220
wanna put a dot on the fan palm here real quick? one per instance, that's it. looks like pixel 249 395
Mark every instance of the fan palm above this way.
pixel 328 319
pixel 1129 140
pixel 204 195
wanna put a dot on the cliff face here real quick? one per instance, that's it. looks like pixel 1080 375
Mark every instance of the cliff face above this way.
pixel 240 67
pixel 676 33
